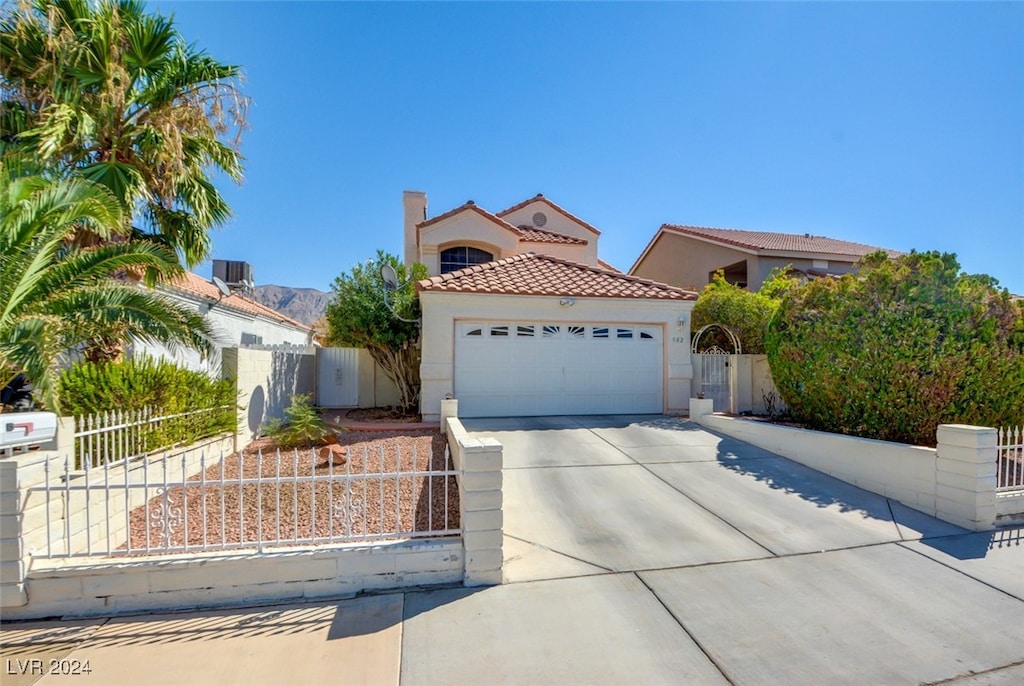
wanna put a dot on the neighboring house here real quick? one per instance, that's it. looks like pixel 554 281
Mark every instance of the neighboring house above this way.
pixel 522 318
pixel 237 319
pixel 688 256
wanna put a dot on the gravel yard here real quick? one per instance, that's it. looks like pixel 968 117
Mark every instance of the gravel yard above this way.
pixel 359 495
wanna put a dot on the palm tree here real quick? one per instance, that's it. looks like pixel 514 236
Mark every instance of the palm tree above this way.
pixel 55 298
pixel 113 93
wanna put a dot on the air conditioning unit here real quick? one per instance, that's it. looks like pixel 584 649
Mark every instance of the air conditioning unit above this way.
pixel 235 274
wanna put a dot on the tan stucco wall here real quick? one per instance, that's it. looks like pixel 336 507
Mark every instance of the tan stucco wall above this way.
pixel 375 388
pixel 766 263
pixel 441 310
pixel 573 253
pixel 685 262
pixel 466 228
pixel 558 223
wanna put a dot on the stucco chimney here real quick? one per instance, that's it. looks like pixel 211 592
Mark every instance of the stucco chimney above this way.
pixel 414 204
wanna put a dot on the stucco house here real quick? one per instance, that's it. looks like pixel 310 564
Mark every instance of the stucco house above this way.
pixel 521 317
pixel 688 256
pixel 237 319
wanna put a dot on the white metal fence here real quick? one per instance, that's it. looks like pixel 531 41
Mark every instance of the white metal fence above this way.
pixel 1010 459
pixel 176 504
pixel 127 434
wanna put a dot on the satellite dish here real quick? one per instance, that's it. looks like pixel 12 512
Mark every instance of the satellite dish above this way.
pixel 387 272
pixel 222 287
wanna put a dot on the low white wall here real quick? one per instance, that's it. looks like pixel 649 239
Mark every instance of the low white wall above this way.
pixel 954 482
pixel 87 588
pixel 479 463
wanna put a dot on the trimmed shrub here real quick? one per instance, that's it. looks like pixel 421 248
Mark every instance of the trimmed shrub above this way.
pixel 899 348
pixel 746 313
pixel 138 383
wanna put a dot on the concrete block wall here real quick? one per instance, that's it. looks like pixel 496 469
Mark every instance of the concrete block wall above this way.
pixel 24 510
pixel 266 379
pixel 954 482
pixel 76 588
pixel 479 463
pixel 22 520
pixel 966 476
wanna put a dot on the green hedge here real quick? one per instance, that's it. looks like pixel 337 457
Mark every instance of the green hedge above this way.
pixel 132 385
pixel 744 312
pixel 894 351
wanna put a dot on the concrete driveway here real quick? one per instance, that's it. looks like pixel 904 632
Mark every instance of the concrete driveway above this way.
pixel 639 550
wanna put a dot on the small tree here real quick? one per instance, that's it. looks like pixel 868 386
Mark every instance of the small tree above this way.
pixel 899 348
pixel 302 427
pixel 358 316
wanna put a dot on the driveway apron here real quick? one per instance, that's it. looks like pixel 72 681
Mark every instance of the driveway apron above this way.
pixel 777 573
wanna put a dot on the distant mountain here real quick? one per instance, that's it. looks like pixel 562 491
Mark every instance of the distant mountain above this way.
pixel 302 304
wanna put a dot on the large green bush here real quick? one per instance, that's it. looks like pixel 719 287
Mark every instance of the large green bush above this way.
pixel 899 348
pixel 164 388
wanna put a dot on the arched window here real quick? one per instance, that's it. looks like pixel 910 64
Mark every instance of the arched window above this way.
pixel 461 257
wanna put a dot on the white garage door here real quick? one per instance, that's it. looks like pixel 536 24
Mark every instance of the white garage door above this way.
pixel 529 369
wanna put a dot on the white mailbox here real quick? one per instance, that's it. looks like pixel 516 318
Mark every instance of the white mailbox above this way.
pixel 18 429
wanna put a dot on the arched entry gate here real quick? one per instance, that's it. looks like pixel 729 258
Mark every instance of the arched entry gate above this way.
pixel 713 360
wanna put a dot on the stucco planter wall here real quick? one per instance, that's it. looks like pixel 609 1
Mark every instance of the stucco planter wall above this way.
pixel 954 482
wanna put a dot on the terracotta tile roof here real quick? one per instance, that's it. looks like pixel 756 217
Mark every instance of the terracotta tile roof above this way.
pixel 540 197
pixel 780 242
pixel 535 235
pixel 472 206
pixel 533 274
pixel 194 284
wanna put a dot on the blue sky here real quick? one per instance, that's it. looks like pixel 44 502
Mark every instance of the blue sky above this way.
pixel 899 125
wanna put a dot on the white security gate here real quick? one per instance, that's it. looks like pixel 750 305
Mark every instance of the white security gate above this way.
pixel 529 369
pixel 714 378
pixel 337 377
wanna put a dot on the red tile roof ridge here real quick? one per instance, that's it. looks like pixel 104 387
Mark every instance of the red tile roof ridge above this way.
pixel 548 236
pixel 468 205
pixel 540 197
pixel 776 240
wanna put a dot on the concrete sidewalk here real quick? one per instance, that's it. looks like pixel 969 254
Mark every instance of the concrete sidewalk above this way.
pixel 638 550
